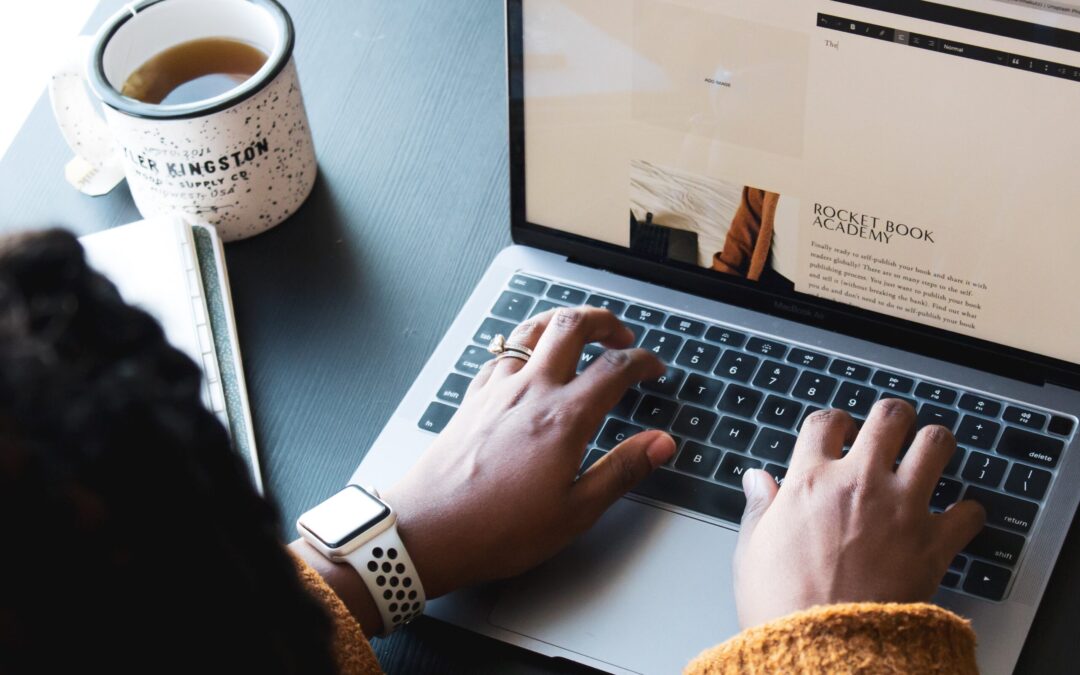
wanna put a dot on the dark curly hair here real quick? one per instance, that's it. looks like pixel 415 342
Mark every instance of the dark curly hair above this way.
pixel 135 539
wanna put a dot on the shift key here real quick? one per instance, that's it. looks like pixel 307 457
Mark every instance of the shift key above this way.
pixel 1032 448
pixel 998 545
pixel 687 492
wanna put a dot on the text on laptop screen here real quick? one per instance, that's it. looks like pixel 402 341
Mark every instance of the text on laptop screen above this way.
pixel 920 162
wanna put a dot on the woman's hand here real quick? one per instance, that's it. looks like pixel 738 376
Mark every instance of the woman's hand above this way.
pixel 495 493
pixel 850 528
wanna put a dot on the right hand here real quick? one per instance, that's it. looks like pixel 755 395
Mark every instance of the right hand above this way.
pixel 850 528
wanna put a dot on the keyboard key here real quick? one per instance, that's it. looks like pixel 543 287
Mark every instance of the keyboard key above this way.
pixel 472 359
pixel 627 403
pixel 638 331
pixel 733 467
pixel 910 401
pixel 733 434
pixel 725 336
pixel 653 317
pixel 664 345
pixel 807 358
pixel 525 284
pixel 997 545
pixel 958 563
pixel 775 376
pixel 736 366
pixel 777 472
pixel 667 384
pixel 698 459
pixel 701 390
pixel 740 401
pixel 980 405
pixel 814 387
pixel 436 417
pixel 490 328
pixel 1027 481
pixel 850 370
pixel 513 306
pixel 780 412
pixel 766 347
pixel 694 422
pixel 893 382
pixel 773 445
pixel 614 306
pixel 810 410
pixel 955 462
pixel 679 324
pixel 1029 447
pixel 588 356
pixel 1025 418
pixel 592 457
pixel 951 580
pixel 566 295
pixel 977 432
pixel 984 469
pixel 544 306
pixel 453 388
pixel 986 580
pixel 698 355
pixel 615 432
pixel 946 493
pixel 936 393
pixel 855 398
pixel 934 414
pixel 655 412
pixel 1003 510
pixel 1061 426
pixel 694 494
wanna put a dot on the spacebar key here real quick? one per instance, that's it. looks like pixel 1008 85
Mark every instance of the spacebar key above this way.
pixel 693 493
pixel 685 491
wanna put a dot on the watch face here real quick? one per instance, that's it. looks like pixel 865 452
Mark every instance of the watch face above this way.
pixel 344 516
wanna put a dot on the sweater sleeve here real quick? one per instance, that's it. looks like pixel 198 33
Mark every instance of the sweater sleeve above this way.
pixel 849 638
pixel 351 648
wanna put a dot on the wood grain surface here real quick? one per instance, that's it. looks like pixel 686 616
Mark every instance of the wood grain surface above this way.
pixel 339 307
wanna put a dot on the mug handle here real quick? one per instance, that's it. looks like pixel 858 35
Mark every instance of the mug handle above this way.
pixel 97 167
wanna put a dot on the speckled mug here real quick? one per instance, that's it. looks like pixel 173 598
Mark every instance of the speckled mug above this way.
pixel 243 161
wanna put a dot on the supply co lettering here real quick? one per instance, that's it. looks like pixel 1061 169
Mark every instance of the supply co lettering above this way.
pixel 866 226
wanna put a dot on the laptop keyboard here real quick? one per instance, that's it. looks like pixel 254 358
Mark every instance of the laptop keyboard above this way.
pixel 734 400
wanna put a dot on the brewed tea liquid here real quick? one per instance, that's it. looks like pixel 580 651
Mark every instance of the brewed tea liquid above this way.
pixel 194 71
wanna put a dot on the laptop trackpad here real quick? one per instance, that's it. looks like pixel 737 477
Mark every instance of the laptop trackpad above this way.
pixel 645 590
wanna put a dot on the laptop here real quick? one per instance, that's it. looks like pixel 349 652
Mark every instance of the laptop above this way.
pixel 796 205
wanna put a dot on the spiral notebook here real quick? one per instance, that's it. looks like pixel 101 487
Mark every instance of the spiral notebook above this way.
pixel 176 272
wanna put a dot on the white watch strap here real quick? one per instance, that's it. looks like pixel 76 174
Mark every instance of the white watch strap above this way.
pixel 389 573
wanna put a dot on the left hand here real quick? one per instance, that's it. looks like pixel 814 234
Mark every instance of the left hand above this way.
pixel 495 494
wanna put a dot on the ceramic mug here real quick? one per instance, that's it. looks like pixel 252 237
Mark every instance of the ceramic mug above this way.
pixel 242 161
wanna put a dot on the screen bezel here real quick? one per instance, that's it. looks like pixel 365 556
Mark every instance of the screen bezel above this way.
pixel 865 324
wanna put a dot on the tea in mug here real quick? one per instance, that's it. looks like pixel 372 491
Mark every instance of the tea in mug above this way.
pixel 194 71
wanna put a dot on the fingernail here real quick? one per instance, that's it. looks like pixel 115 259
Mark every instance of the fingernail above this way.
pixel 751 483
pixel 660 450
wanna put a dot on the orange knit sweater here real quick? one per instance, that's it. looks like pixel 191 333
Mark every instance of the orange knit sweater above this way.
pixel 854 638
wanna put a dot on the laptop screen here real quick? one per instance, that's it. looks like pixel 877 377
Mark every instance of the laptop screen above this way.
pixel 917 160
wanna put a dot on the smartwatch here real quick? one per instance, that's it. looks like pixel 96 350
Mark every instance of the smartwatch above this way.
pixel 355 526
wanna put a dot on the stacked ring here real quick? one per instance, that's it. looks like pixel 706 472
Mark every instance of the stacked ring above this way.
pixel 503 349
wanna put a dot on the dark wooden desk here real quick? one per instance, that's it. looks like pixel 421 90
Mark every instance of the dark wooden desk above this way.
pixel 339 307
